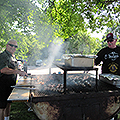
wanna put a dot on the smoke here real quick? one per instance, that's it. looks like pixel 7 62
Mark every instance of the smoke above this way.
pixel 55 51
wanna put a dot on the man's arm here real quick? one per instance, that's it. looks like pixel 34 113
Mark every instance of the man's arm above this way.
pixel 99 59
pixel 9 71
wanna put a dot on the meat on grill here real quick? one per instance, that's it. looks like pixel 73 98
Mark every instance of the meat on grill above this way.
pixel 53 84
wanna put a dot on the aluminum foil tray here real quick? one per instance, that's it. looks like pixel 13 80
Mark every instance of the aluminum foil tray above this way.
pixel 110 79
pixel 77 60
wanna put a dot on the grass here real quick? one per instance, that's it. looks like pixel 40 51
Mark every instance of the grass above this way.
pixel 19 111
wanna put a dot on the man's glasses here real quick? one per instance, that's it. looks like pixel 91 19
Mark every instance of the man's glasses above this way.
pixel 13 45
pixel 110 40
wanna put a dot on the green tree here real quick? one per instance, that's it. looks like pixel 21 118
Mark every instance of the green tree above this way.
pixel 51 18
pixel 18 20
pixel 82 43
pixel 12 11
pixel 70 15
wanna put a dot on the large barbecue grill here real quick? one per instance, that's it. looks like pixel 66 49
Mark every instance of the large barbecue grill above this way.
pixel 68 96
pixel 69 68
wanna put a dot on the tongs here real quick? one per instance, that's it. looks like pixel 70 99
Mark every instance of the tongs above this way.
pixel 24 88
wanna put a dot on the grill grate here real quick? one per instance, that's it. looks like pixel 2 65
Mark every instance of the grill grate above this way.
pixel 53 84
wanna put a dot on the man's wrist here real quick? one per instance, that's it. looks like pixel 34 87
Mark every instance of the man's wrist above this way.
pixel 17 71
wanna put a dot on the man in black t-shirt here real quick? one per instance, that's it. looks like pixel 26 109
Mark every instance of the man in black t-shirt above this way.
pixel 110 56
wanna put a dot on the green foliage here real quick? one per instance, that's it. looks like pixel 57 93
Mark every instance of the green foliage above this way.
pixel 72 15
pixel 18 20
pixel 11 11
pixel 35 25
pixel 82 43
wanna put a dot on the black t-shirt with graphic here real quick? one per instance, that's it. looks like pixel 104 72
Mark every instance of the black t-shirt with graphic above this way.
pixel 111 60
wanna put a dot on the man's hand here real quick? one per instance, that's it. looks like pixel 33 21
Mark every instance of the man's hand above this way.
pixel 22 73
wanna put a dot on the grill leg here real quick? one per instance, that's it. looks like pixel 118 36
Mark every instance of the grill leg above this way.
pixel 96 79
pixel 65 73
pixel 31 96
pixel 30 108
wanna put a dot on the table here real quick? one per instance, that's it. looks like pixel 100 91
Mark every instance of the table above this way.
pixel 19 95
pixel 22 90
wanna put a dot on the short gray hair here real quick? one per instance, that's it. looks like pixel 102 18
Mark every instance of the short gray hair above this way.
pixel 11 40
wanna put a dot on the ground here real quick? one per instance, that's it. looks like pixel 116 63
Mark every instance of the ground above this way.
pixel 19 111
